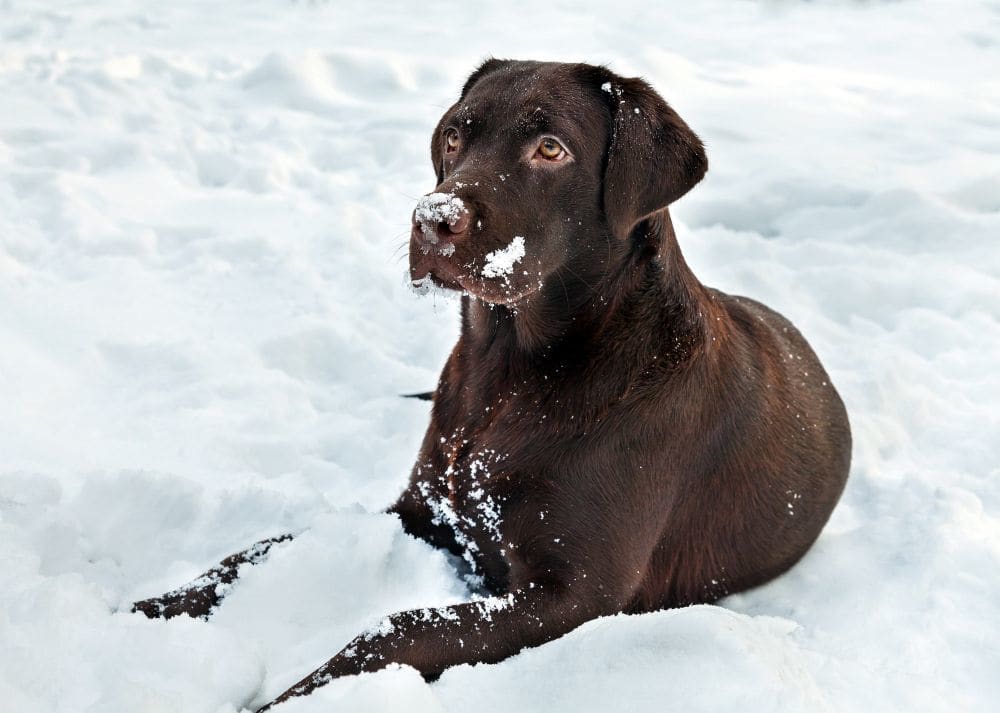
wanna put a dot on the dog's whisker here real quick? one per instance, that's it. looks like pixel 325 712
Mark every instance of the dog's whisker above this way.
pixel 565 290
pixel 406 195
pixel 591 289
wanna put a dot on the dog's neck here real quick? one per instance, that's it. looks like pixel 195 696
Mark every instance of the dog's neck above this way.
pixel 644 279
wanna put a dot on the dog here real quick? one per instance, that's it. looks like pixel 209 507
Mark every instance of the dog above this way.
pixel 608 435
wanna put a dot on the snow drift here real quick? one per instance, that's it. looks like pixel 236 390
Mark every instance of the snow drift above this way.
pixel 205 328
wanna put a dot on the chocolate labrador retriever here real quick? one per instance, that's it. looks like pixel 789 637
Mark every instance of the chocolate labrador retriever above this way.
pixel 608 435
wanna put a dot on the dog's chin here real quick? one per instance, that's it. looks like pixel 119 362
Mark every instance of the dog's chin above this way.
pixel 499 293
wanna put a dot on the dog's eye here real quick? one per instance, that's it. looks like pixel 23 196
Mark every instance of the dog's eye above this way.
pixel 551 149
pixel 451 141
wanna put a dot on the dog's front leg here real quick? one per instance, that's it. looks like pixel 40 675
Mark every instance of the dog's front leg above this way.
pixel 489 630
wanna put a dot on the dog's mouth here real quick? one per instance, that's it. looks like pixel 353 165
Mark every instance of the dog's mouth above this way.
pixel 431 268
pixel 430 282
pixel 497 278
pixel 443 277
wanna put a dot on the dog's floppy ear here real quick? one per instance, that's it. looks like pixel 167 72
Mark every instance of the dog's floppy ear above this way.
pixel 487 67
pixel 654 158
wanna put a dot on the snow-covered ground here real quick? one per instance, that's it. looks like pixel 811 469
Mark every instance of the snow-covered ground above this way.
pixel 204 329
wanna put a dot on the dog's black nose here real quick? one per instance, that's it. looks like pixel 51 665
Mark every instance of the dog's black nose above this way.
pixel 440 218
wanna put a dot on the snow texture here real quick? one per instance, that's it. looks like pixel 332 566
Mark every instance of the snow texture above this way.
pixel 203 218
pixel 500 263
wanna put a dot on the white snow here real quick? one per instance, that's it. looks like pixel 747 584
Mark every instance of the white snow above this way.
pixel 500 262
pixel 203 222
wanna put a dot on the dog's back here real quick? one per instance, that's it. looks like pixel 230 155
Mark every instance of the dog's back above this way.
pixel 763 477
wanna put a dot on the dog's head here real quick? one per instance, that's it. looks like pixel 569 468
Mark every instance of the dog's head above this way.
pixel 540 165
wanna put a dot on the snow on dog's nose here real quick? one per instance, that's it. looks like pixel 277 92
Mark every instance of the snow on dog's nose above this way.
pixel 440 218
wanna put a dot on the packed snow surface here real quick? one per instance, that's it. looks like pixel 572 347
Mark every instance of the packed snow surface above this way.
pixel 500 262
pixel 203 221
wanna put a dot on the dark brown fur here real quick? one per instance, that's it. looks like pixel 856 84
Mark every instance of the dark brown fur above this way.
pixel 608 434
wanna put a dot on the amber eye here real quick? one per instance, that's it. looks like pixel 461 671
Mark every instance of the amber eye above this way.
pixel 551 149
pixel 451 141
